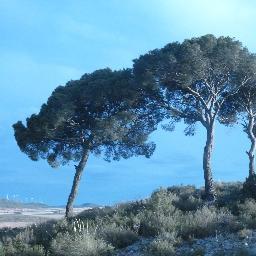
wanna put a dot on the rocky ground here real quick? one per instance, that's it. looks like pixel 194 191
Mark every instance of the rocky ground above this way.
pixel 218 245
pixel 221 245
pixel 136 249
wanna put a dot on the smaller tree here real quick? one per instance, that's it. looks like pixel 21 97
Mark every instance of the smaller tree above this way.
pixel 195 78
pixel 241 108
pixel 102 113
pixel 245 107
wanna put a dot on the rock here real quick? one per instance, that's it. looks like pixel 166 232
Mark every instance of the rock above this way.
pixel 226 244
pixel 135 249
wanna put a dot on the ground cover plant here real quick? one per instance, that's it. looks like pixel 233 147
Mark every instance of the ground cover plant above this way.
pixel 169 217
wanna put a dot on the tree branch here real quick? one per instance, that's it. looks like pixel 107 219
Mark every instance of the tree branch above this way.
pixel 198 96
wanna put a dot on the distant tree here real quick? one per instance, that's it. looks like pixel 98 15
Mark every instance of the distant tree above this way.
pixel 103 113
pixel 195 78
pixel 241 108
pixel 247 105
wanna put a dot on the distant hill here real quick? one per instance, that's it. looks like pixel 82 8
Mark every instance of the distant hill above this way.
pixel 4 203
pixel 90 205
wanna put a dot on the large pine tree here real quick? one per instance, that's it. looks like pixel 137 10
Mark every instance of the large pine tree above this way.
pixel 103 113
pixel 195 78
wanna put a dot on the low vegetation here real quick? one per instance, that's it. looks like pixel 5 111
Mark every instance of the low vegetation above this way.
pixel 169 217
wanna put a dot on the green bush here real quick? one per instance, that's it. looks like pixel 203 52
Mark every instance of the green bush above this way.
pixel 163 202
pixel 249 187
pixel 169 215
pixel 160 215
pixel 18 248
pixel 79 245
pixel 199 251
pixel 248 213
pixel 161 247
pixel 93 214
pixel 228 194
pixel 155 223
pixel 244 233
pixel 1 249
pixel 204 222
pixel 188 203
pixel 30 251
pixel 44 233
pixel 118 237
pixel 188 197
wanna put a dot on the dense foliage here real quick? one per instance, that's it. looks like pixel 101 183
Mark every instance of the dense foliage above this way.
pixel 99 112
pixel 167 219
pixel 195 78
pixel 112 113
pixel 103 113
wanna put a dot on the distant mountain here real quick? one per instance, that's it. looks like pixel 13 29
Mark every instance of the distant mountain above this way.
pixel 4 203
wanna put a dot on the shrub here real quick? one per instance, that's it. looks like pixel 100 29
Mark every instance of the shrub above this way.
pixel 1 249
pixel 161 247
pixel 198 251
pixel 118 237
pixel 160 215
pixel 228 195
pixel 249 187
pixel 18 248
pixel 162 202
pixel 188 197
pixel 188 203
pixel 30 251
pixel 244 233
pixel 248 213
pixel 155 223
pixel 126 209
pixel 79 245
pixel 93 214
pixel 205 222
pixel 169 215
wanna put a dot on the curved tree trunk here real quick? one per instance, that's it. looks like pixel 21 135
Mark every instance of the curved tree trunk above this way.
pixel 251 156
pixel 74 189
pixel 209 186
pixel 251 152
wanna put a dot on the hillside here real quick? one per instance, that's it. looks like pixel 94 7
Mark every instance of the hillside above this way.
pixel 4 203
pixel 173 221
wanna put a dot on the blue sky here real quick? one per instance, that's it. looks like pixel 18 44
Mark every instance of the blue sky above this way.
pixel 45 43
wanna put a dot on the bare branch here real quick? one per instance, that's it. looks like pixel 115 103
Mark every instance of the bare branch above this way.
pixel 198 96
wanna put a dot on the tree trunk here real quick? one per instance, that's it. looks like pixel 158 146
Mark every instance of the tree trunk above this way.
pixel 74 189
pixel 251 156
pixel 251 152
pixel 209 186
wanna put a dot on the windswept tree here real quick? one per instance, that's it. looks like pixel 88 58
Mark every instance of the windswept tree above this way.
pixel 103 113
pixel 241 108
pixel 246 99
pixel 195 78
